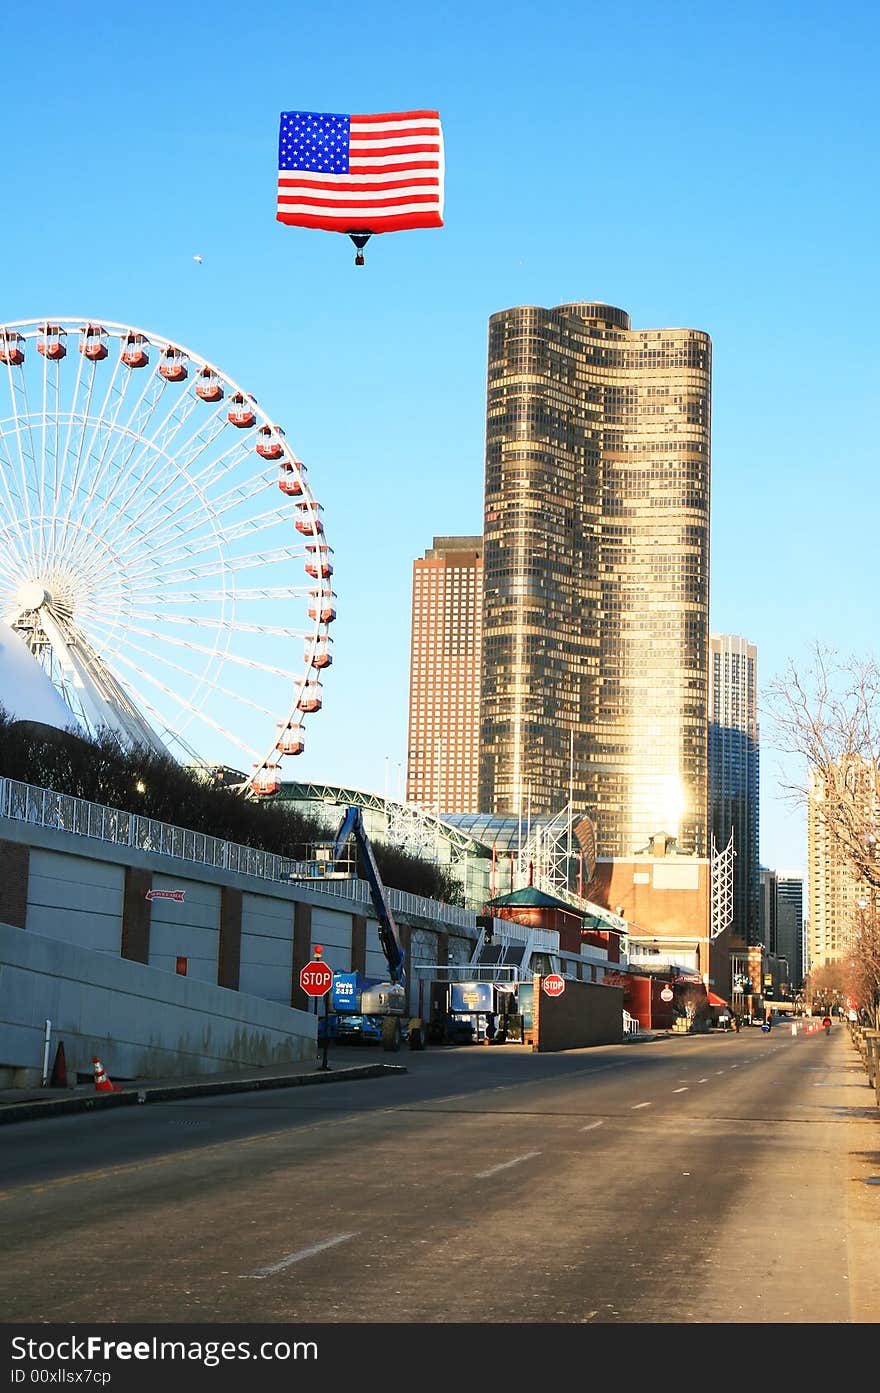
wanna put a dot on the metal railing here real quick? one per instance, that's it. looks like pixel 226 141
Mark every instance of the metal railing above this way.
pixel 46 807
pixel 630 1025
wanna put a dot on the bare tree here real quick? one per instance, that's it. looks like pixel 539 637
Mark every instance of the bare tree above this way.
pixel 862 977
pixel 825 986
pixel 693 1005
pixel 829 716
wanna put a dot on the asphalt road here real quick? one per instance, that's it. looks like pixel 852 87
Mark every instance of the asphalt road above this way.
pixel 721 1178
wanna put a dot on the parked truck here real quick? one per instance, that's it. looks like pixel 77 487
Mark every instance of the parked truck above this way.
pixel 369 1008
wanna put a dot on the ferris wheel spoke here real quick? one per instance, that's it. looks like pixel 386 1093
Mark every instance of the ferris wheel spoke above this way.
pixel 145 581
pixel 235 625
pixel 75 457
pixel 235 497
pixel 98 564
pixel 179 480
pixel 43 431
pixel 103 431
pixel 141 466
pixel 231 458
pixel 177 550
pixel 170 500
pixel 127 531
pixel 22 425
pixel 14 506
pixel 180 702
pixel 140 461
pixel 50 437
pixel 197 597
pixel 114 465
pixel 166 662
pixel 216 466
pixel 253 664
pixel 233 565
pixel 201 676
pixel 93 555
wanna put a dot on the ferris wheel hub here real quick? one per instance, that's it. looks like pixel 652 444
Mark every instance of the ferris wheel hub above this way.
pixel 32 594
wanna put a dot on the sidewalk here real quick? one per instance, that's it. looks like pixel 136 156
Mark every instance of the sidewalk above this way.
pixel 26 1104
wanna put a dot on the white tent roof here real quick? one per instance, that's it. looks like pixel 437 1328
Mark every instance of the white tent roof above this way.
pixel 26 691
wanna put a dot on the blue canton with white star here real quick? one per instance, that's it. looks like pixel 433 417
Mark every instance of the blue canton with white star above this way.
pixel 314 140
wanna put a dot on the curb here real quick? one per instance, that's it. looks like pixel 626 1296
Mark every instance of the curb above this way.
pixel 160 1093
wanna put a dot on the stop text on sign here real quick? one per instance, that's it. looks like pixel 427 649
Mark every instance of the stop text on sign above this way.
pixel 554 985
pixel 316 978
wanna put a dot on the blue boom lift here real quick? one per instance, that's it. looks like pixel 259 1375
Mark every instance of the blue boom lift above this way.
pixel 367 1008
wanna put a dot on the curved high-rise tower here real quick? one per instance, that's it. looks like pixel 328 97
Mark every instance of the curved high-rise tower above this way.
pixel 596 573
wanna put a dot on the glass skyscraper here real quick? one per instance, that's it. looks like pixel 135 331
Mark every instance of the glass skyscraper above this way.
pixel 596 573
pixel 790 923
pixel 734 771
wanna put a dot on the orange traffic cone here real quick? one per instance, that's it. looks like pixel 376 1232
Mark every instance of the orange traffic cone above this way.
pixel 102 1082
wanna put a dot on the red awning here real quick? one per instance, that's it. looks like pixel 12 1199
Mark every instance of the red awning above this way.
pixel 716 1000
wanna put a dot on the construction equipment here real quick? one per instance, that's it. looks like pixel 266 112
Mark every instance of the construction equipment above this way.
pixel 367 1008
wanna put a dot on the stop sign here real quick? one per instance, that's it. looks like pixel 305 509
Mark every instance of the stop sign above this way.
pixel 554 985
pixel 316 978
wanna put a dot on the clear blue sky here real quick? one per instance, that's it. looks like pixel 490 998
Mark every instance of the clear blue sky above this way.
pixel 701 168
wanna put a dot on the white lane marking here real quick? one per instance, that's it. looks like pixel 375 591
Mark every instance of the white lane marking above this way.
pixel 679 1090
pixel 719 1071
pixel 702 1080
pixel 640 1105
pixel 493 1170
pixel 299 1256
pixel 590 1125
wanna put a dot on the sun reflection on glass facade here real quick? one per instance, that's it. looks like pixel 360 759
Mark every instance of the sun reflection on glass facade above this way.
pixel 596 555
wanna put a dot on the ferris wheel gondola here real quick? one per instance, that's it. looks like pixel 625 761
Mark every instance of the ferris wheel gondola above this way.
pixel 148 559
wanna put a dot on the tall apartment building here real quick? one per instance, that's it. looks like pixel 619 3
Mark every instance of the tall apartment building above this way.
pixel 596 573
pixel 790 923
pixel 833 888
pixel 444 692
pixel 734 772
pixel 767 920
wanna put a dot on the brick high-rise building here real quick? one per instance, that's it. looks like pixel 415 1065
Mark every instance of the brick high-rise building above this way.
pixel 444 692
pixel 833 885
pixel 596 573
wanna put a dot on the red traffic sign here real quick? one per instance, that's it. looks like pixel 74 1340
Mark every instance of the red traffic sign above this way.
pixel 554 985
pixel 316 978
pixel 667 994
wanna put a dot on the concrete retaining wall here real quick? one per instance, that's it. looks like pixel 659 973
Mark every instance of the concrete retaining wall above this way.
pixel 193 924
pixel 142 1022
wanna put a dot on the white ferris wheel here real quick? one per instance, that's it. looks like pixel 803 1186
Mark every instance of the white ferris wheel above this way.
pixel 161 553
